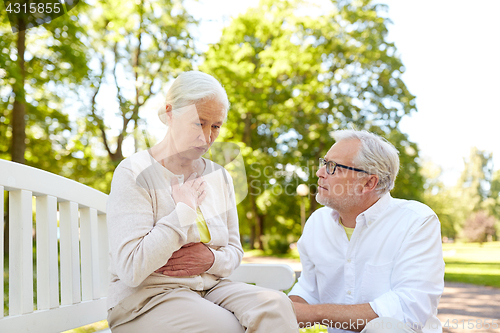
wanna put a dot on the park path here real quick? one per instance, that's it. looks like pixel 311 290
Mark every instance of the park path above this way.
pixel 469 308
pixel 463 307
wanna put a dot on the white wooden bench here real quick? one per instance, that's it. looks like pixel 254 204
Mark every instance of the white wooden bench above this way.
pixel 69 277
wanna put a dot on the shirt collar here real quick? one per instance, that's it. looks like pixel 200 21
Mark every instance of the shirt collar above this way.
pixel 371 215
pixel 335 216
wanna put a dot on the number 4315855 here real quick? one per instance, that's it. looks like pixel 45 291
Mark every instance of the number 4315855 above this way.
pixel 471 324
pixel 34 8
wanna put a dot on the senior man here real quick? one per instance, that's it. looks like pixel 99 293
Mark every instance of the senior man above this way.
pixel 369 261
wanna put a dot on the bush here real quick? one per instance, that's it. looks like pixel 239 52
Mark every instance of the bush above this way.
pixel 276 244
pixel 479 226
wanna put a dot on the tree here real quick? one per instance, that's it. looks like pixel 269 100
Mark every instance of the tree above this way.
pixel 479 227
pixel 492 203
pixel 476 191
pixel 292 80
pixel 137 47
pixel 476 178
pixel 37 66
pixel 444 201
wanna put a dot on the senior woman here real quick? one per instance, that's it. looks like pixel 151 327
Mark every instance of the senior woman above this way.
pixel 173 230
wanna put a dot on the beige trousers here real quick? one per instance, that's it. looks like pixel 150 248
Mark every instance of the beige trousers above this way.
pixel 230 307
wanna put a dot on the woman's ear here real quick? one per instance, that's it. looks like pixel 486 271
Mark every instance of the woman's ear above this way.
pixel 169 113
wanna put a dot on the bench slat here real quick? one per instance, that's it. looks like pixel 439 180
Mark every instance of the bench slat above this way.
pixel 56 320
pixel 103 249
pixel 88 243
pixel 277 276
pixel 46 249
pixel 96 286
pixel 69 253
pixel 15 176
pixel 20 252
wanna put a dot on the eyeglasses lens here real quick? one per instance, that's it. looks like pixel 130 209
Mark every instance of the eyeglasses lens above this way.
pixel 330 166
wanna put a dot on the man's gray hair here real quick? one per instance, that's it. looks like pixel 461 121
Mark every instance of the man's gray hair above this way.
pixel 190 88
pixel 376 155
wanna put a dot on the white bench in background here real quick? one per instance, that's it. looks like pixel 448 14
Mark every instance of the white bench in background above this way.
pixel 72 261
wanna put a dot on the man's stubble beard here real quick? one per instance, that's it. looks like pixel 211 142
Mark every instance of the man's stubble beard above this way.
pixel 340 203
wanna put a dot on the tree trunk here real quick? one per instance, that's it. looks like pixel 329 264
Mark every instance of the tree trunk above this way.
pixel 312 204
pixel 260 221
pixel 6 227
pixel 312 194
pixel 18 144
pixel 252 236
pixel 252 221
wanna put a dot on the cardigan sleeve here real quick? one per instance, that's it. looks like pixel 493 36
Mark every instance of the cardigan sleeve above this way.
pixel 138 245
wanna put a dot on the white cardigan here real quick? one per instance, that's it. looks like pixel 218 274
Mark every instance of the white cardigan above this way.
pixel 145 226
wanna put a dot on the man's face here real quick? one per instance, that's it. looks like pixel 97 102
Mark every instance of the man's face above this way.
pixel 340 191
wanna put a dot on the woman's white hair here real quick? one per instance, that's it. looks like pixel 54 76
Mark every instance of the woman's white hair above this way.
pixel 190 88
pixel 376 155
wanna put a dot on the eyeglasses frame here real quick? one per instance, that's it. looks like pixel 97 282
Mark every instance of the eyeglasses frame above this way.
pixel 323 162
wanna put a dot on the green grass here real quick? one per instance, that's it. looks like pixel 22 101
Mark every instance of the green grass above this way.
pixel 473 263
pixel 100 325
pixel 292 254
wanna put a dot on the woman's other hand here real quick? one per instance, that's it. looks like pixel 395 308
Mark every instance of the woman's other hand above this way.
pixel 191 259
pixel 192 192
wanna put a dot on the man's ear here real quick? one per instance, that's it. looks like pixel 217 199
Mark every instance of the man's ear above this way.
pixel 371 183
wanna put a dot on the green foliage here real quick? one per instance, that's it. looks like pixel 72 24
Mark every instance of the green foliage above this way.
pixel 476 190
pixel 137 46
pixel 275 243
pixel 292 80
pixel 442 200
pixel 492 203
pixel 55 63
pixel 476 178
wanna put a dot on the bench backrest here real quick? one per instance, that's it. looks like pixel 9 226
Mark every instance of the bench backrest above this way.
pixel 66 285
pixel 70 278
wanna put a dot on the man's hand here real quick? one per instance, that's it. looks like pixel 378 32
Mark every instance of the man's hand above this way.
pixel 191 259
pixel 349 316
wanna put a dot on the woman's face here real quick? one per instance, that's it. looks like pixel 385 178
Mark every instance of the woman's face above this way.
pixel 196 128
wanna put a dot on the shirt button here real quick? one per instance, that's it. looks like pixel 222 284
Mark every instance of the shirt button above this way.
pixel 348 292
pixel 349 260
pixel 369 222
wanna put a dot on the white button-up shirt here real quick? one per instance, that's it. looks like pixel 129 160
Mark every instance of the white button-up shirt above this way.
pixel 394 262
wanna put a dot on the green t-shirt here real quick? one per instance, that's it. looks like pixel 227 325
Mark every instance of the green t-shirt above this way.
pixel 348 231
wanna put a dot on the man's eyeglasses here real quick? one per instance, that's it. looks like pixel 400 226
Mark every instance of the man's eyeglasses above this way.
pixel 331 166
